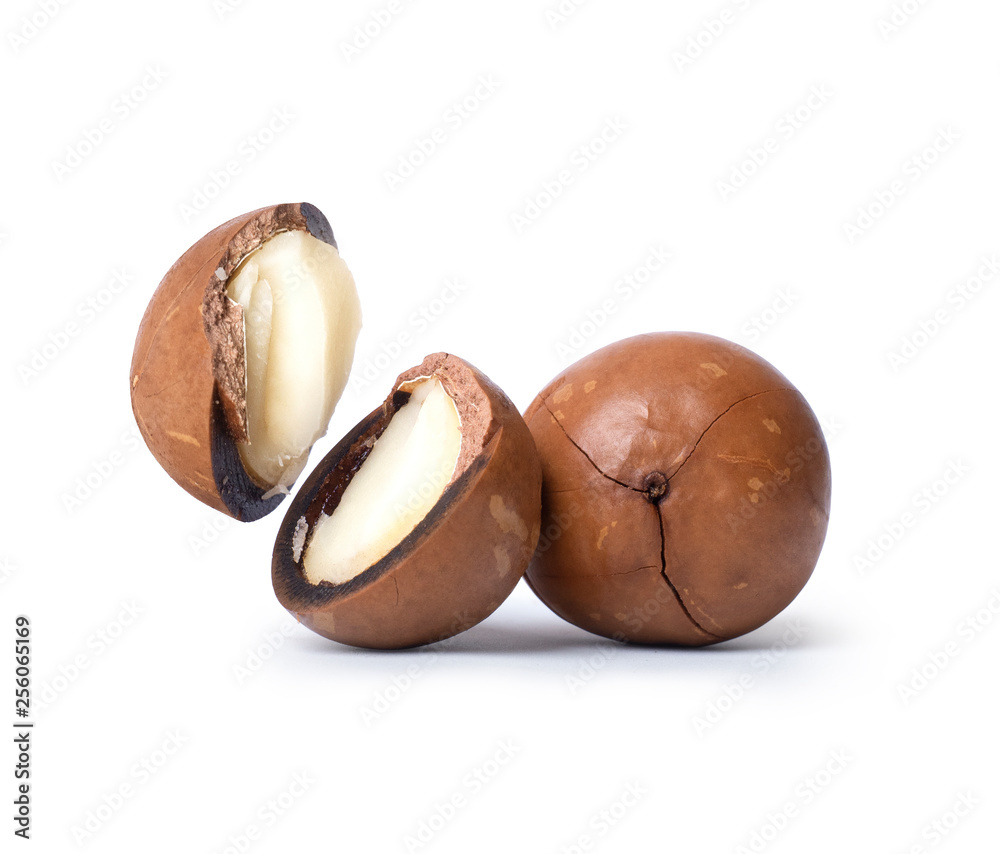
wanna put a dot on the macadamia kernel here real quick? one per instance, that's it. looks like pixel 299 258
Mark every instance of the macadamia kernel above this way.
pixel 301 321
pixel 408 469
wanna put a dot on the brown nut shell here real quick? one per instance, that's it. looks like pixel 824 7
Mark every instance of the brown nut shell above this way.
pixel 188 376
pixel 460 562
pixel 686 491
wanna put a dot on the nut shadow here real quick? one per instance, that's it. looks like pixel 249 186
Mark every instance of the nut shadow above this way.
pixel 501 636
pixel 542 636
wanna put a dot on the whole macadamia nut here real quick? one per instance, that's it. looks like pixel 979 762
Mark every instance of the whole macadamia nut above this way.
pixel 686 491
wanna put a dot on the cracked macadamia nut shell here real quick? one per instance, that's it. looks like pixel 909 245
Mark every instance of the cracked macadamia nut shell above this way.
pixel 459 562
pixel 188 375
pixel 686 491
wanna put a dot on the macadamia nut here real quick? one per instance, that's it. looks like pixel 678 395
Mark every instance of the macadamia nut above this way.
pixel 686 490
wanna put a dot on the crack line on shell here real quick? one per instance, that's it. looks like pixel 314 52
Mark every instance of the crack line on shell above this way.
pixel 598 574
pixel 670 584
pixel 628 571
pixel 585 454
pixel 160 391
pixel 717 417
pixel 659 516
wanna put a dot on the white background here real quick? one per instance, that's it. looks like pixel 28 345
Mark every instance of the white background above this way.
pixel 155 629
